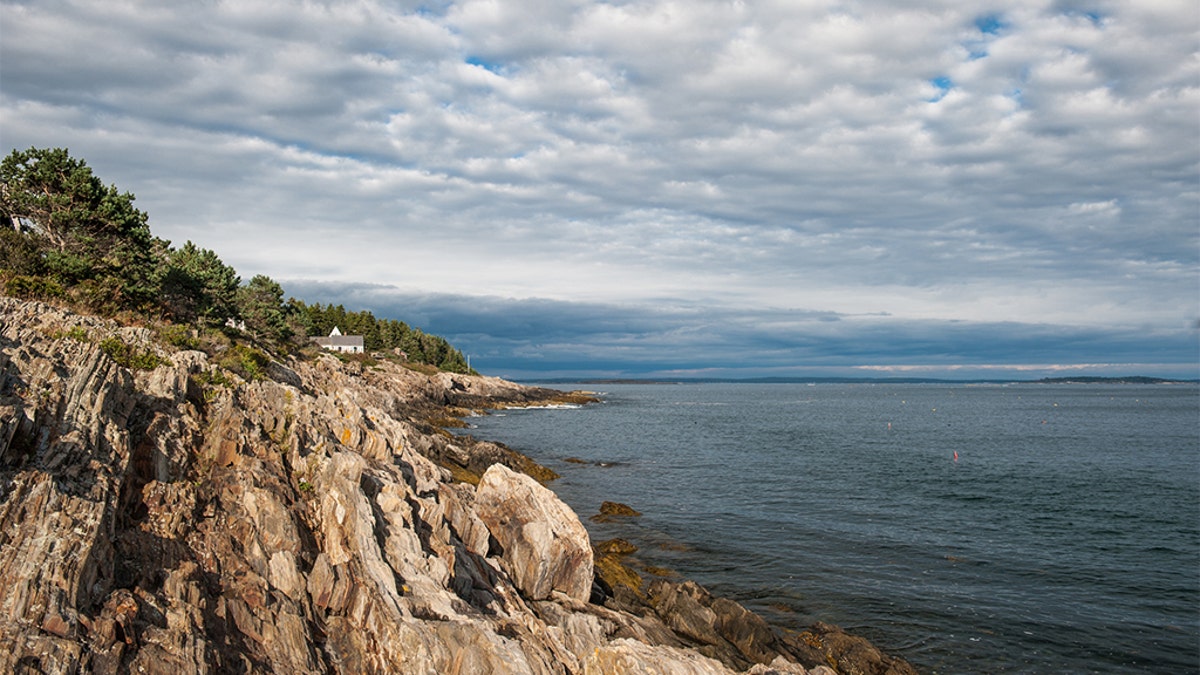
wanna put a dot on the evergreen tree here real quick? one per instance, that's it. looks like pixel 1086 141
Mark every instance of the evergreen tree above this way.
pixel 260 305
pixel 91 236
pixel 64 234
pixel 197 286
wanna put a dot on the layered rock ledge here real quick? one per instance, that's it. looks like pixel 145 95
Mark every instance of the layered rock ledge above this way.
pixel 184 520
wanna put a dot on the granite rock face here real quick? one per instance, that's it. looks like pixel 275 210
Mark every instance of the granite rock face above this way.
pixel 182 520
pixel 544 545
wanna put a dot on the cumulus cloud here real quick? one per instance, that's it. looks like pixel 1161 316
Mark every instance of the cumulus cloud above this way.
pixel 1032 168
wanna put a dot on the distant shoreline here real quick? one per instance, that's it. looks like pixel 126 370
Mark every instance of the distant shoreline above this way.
pixel 1132 379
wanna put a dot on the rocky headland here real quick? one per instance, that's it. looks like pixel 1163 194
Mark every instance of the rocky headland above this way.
pixel 174 517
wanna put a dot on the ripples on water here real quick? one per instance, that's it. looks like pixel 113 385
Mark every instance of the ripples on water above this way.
pixel 1065 538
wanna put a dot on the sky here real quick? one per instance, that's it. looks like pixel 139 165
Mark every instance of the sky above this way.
pixel 656 188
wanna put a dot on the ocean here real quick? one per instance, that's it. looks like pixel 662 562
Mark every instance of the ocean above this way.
pixel 1025 528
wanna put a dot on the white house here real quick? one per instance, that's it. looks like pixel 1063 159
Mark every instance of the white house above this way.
pixel 336 342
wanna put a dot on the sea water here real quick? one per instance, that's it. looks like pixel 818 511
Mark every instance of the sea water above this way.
pixel 1028 528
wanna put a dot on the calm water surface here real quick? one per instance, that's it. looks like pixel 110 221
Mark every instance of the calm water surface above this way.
pixel 1064 538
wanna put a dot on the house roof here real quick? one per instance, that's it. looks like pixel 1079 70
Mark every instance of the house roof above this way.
pixel 340 341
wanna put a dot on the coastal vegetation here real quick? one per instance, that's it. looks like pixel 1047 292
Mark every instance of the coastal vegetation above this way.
pixel 71 240
pixel 379 334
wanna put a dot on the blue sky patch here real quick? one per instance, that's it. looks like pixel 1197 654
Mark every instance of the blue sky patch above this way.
pixel 990 24
pixel 944 85
pixel 490 66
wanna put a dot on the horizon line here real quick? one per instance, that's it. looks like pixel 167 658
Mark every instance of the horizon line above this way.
pixel 828 379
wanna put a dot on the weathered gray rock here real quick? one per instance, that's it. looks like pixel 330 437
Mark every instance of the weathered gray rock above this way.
pixel 543 544
pixel 70 406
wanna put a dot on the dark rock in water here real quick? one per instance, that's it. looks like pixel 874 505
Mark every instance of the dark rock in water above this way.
pixel 610 510
pixel 725 630
pixel 616 546
pixel 617 509
pixel 823 643
pixel 603 465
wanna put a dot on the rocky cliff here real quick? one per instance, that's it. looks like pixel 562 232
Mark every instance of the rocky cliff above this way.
pixel 179 519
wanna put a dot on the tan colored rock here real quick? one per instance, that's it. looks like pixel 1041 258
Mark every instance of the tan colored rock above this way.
pixel 781 666
pixel 630 657
pixel 470 529
pixel 545 547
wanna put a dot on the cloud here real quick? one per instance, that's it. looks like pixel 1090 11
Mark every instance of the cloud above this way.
pixel 537 336
pixel 1026 172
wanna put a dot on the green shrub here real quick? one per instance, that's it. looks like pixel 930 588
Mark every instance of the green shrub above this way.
pixel 211 382
pixel 77 333
pixel 116 349
pixel 212 378
pixel 33 288
pixel 365 359
pixel 128 356
pixel 248 362
pixel 102 296
pixel 178 335
pixel 423 368
pixel 20 253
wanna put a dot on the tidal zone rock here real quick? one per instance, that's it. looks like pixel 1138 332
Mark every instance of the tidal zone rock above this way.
pixel 825 643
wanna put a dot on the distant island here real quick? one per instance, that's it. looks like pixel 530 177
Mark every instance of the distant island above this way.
pixel 1135 379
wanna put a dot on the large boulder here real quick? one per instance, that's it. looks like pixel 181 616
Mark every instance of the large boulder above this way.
pixel 543 544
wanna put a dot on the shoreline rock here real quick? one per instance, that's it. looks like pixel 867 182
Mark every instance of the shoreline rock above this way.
pixel 185 520
pixel 542 542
